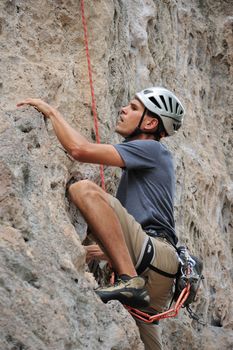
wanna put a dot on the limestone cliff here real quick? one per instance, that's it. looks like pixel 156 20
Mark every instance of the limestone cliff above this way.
pixel 46 294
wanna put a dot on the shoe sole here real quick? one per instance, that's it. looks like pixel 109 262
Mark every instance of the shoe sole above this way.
pixel 105 297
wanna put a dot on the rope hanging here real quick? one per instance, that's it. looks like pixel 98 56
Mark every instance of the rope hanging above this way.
pixel 94 110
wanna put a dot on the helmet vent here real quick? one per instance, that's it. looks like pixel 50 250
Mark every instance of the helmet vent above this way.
pixel 176 126
pixel 177 105
pixel 152 99
pixel 164 102
pixel 147 92
pixel 170 104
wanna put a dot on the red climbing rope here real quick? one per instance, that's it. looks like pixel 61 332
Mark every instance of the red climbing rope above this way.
pixel 94 110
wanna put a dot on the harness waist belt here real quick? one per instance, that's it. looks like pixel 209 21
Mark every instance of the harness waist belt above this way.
pixel 153 233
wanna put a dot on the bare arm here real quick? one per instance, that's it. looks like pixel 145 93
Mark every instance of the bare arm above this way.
pixel 76 144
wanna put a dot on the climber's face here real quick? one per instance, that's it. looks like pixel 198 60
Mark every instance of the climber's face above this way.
pixel 129 117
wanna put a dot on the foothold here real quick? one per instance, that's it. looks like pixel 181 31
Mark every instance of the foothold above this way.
pixel 53 185
pixel 26 128
pixel 34 283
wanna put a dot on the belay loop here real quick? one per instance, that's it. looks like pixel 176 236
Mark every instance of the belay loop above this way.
pixel 94 110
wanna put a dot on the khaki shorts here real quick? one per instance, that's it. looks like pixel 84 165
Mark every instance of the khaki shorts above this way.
pixel 159 287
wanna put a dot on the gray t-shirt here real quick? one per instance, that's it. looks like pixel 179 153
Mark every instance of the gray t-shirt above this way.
pixel 147 185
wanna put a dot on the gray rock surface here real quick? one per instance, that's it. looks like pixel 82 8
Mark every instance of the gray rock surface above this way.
pixel 46 294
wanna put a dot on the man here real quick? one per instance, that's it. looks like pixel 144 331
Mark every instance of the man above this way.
pixel 138 224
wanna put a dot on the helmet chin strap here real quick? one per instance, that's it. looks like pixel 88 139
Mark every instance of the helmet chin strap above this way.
pixel 137 131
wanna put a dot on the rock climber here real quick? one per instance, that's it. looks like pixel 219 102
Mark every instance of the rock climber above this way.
pixel 139 220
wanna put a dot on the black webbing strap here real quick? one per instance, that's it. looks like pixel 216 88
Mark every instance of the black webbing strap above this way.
pixel 166 274
pixel 146 259
pixel 142 117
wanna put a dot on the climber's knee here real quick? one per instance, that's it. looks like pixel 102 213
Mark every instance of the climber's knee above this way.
pixel 80 188
pixel 85 191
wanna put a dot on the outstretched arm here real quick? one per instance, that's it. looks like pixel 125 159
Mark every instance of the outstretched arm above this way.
pixel 75 144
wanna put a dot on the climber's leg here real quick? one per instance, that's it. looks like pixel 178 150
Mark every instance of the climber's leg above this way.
pixel 94 205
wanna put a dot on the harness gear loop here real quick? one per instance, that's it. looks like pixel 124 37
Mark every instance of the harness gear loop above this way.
pixel 94 110
pixel 147 318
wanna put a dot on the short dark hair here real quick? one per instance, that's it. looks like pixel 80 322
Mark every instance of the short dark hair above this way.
pixel 160 129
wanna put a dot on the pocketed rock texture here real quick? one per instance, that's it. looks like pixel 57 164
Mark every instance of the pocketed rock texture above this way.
pixel 46 292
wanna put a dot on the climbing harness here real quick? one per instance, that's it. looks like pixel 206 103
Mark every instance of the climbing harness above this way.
pixel 94 110
pixel 187 282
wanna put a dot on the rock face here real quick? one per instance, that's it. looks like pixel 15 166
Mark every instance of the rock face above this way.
pixel 46 294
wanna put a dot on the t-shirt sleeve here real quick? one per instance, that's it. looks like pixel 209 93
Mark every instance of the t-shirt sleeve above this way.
pixel 139 153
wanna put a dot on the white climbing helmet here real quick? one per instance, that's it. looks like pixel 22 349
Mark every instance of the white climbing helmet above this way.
pixel 166 105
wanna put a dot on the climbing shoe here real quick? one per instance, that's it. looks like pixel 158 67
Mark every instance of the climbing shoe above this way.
pixel 128 290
